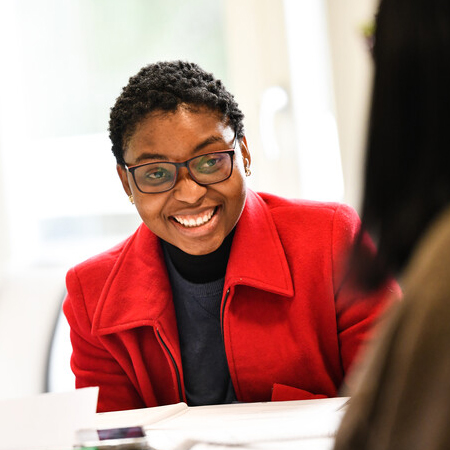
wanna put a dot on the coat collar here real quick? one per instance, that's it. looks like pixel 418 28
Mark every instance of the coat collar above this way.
pixel 257 256
pixel 137 291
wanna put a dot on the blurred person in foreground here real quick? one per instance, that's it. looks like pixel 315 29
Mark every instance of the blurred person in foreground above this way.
pixel 402 396
pixel 222 294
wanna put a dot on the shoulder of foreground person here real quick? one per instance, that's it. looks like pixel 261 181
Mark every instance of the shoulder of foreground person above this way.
pixel 404 377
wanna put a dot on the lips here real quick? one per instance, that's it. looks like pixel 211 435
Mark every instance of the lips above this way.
pixel 195 220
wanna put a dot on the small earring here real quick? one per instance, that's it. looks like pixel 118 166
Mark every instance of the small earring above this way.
pixel 130 197
pixel 248 172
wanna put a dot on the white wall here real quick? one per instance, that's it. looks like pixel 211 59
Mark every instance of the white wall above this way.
pixel 260 56
pixel 352 75
pixel 258 59
pixel 29 302
pixel 4 244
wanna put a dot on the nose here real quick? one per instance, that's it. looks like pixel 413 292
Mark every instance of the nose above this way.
pixel 186 189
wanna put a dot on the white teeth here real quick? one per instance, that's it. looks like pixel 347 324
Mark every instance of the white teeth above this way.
pixel 195 222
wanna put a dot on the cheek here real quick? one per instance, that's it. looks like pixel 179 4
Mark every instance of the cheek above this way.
pixel 240 184
pixel 236 196
pixel 151 210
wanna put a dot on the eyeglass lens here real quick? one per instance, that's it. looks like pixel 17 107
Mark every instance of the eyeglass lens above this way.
pixel 204 169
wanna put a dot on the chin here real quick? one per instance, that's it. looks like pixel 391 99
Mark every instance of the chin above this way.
pixel 199 250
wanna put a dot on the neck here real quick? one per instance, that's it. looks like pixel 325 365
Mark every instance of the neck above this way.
pixel 201 268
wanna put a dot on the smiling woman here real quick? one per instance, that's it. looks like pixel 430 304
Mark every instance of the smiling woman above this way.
pixel 222 294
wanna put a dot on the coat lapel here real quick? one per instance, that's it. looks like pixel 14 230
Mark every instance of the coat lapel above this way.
pixel 257 256
pixel 137 291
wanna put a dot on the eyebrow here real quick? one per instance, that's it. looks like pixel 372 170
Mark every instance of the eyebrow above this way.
pixel 159 157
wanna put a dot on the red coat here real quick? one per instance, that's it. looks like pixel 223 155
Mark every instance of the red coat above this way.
pixel 290 327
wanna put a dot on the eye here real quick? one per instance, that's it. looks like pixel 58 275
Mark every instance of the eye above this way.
pixel 210 163
pixel 155 175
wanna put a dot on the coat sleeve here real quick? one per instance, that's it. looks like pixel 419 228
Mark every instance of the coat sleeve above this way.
pixel 357 311
pixel 91 362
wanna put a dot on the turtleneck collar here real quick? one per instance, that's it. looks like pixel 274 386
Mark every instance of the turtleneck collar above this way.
pixel 201 268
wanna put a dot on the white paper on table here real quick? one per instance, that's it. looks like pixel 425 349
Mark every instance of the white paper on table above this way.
pixel 303 444
pixel 138 417
pixel 250 423
pixel 46 421
pixel 267 425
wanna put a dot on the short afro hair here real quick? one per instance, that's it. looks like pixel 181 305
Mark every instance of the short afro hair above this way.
pixel 163 86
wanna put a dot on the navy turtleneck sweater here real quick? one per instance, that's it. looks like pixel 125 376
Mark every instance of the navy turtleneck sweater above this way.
pixel 197 286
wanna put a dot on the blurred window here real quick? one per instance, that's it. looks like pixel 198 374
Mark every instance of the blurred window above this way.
pixel 67 61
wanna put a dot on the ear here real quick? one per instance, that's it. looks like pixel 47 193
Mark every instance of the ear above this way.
pixel 123 175
pixel 245 153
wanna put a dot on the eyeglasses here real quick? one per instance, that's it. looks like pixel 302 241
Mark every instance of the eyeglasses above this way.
pixel 157 177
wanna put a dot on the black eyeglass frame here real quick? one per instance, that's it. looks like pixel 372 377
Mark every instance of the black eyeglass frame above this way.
pixel 177 165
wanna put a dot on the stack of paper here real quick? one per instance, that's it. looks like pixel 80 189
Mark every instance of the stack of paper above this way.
pixel 265 426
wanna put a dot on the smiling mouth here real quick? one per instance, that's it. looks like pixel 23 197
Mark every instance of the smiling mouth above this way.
pixel 195 220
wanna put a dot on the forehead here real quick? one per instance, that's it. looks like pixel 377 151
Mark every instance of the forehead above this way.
pixel 184 127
